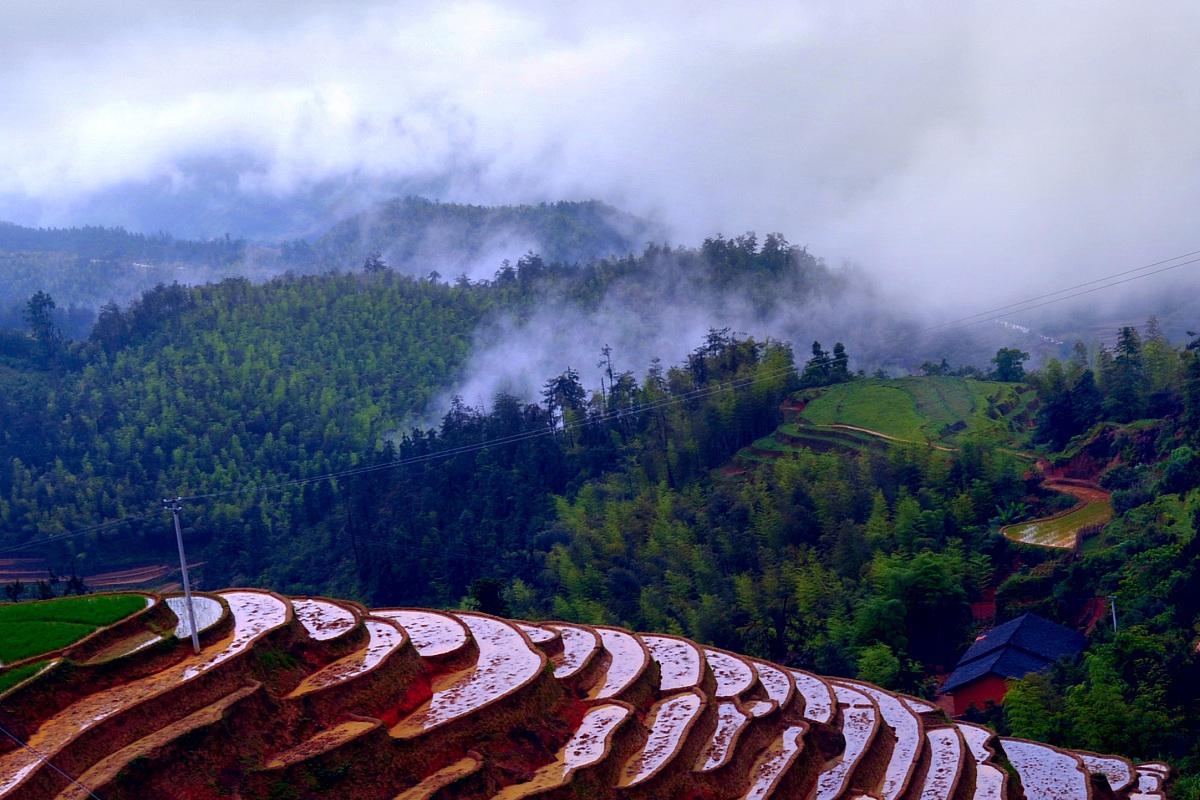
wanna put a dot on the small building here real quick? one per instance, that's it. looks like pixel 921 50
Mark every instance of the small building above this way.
pixel 1026 644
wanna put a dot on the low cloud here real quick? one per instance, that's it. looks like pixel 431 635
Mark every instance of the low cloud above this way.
pixel 961 151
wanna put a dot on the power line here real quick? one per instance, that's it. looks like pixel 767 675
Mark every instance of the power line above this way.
pixel 990 315
pixel 46 760
pixel 1082 293
pixel 1063 291
pixel 72 534
pixel 510 439
pixel 694 394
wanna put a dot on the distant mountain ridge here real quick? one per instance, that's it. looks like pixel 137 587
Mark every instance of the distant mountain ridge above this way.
pixel 415 234
pixel 88 266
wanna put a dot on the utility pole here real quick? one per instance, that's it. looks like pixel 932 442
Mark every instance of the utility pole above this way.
pixel 1112 604
pixel 175 506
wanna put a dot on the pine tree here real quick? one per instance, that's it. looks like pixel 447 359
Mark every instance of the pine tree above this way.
pixel 1126 385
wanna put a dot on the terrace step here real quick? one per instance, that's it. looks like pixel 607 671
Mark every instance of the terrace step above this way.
pixel 1119 772
pixel 507 662
pixel 581 646
pixel 732 722
pixel 322 742
pixel 733 674
pixel 1046 772
pixel 947 764
pixel 325 619
pixel 444 781
pixel 492 722
pixel 1150 781
pixel 908 731
pixel 860 727
pixel 991 782
pixel 125 647
pixel 254 615
pixel 208 611
pixel 546 639
pixel 776 772
pixel 820 704
pixel 670 721
pixel 778 684
pixel 919 706
pixel 680 663
pixel 385 638
pixel 107 581
pixel 98 778
pixel 589 745
pixel 437 636
pixel 628 661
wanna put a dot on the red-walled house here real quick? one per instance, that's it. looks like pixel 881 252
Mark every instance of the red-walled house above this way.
pixel 1026 644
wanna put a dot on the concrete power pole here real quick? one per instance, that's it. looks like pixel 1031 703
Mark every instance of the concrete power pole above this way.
pixel 175 506
pixel 1112 604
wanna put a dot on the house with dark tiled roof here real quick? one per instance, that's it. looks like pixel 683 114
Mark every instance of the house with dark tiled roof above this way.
pixel 1026 644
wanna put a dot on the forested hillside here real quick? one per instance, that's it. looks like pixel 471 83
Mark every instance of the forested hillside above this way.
pixel 206 389
pixel 643 499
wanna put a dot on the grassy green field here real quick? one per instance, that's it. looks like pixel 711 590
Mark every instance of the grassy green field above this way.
pixel 1060 531
pixel 11 677
pixel 31 628
pixel 934 409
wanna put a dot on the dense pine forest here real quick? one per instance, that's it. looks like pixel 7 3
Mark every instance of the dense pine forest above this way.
pixel 646 500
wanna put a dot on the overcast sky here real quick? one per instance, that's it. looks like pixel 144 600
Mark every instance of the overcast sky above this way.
pixel 929 142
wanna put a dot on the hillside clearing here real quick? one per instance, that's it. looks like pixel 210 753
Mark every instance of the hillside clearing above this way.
pixel 921 409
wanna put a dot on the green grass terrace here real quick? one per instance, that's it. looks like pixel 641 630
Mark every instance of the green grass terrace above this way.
pixel 32 628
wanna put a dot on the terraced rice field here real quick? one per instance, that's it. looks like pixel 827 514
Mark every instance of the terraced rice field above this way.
pixel 505 664
pixel 819 701
pixel 580 646
pixel 991 782
pixel 669 723
pixel 775 762
pixel 35 628
pixel 928 409
pixel 869 415
pixel 589 745
pixel 680 662
pixel 628 660
pixel 384 638
pixel 906 728
pixel 1046 772
pixel 207 611
pixel 433 633
pixel 946 757
pixel 734 675
pixel 323 619
pixel 860 727
pixel 463 705
pixel 779 687
pixel 1062 530
pixel 731 721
